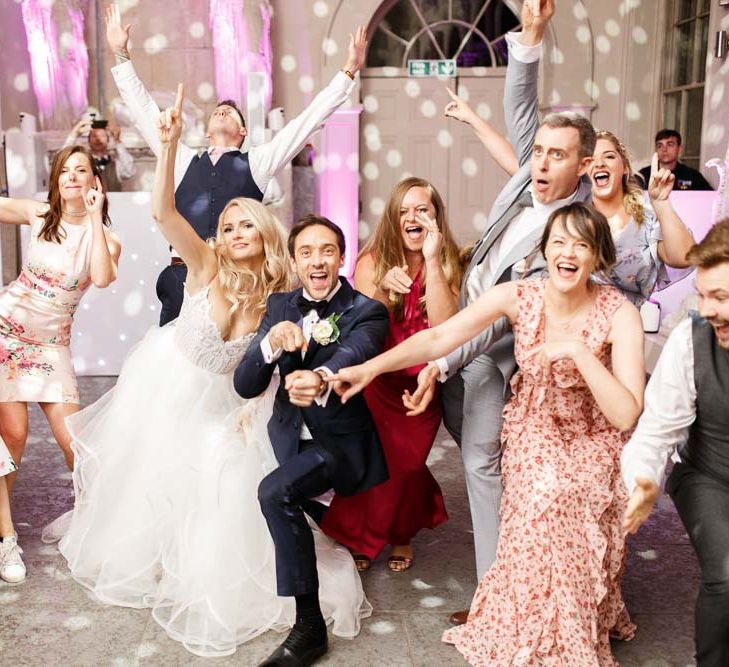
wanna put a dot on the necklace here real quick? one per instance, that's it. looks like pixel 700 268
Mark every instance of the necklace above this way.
pixel 565 324
pixel 74 214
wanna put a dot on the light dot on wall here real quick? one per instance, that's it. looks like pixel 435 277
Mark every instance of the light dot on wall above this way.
pixel 66 40
pixel 583 34
pixel 394 158
pixel 334 162
pixel 321 9
pixel 373 141
pixel 370 104
pixel 288 63
pixel 205 91
pixel 479 221
pixel 463 92
pixel 632 111
pixel 612 85
pixel 306 84
pixel 377 206
pixel 579 11
pixel 20 82
pixel 363 229
pixel 640 36
pixel 445 138
pixel 555 97
pixel 133 304
pixel 155 43
pixel 602 44
pixel 479 71
pixel 556 56
pixel 628 6
pixel 427 108
pixel 469 166
pixel 715 134
pixel 612 27
pixel 717 95
pixel 352 162
pixel 319 164
pixel 329 46
pixel 592 89
pixel 197 30
pixel 412 88
pixel 390 71
pixel 484 110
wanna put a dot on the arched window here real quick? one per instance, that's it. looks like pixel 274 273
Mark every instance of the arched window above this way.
pixel 471 32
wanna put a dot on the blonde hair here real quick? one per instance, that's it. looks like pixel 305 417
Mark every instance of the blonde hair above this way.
pixel 632 191
pixel 241 286
pixel 386 243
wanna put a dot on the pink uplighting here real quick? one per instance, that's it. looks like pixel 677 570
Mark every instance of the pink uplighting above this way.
pixel 76 62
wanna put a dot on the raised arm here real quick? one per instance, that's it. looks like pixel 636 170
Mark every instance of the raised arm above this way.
pixel 677 239
pixel 105 245
pixel 18 211
pixel 269 158
pixel 199 257
pixel 432 343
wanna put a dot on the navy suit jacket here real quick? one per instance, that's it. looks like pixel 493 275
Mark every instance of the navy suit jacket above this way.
pixel 345 432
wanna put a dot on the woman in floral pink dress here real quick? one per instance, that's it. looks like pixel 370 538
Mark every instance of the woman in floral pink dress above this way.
pixel 70 249
pixel 552 597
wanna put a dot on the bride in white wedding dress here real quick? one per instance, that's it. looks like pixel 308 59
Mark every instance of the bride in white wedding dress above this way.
pixel 168 462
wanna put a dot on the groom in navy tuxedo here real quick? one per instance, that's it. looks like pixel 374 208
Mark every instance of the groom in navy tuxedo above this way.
pixel 320 444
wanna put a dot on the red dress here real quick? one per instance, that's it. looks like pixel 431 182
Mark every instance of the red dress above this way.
pixel 394 511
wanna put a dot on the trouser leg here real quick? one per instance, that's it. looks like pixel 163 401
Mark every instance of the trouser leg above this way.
pixel 170 291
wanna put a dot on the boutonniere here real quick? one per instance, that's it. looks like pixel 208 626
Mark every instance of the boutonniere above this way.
pixel 326 331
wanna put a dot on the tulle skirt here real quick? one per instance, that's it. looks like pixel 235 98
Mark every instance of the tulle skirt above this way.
pixel 166 514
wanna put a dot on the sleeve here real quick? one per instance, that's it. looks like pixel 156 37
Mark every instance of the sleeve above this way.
pixel 520 96
pixel 267 159
pixel 269 354
pixel 702 183
pixel 145 112
pixel 125 167
pixel 70 140
pixel 466 353
pixel 669 411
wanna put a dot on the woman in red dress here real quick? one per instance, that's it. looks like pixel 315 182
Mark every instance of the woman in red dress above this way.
pixel 412 265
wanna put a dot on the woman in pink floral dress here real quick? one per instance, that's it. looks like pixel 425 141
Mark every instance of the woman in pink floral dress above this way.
pixel 70 249
pixel 552 597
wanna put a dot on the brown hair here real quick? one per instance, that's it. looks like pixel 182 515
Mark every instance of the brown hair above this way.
pixel 584 222
pixel 386 245
pixel 632 191
pixel 580 123
pixel 51 229
pixel 309 221
pixel 713 249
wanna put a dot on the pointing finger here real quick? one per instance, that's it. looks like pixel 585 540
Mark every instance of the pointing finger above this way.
pixel 454 97
pixel 654 163
pixel 180 97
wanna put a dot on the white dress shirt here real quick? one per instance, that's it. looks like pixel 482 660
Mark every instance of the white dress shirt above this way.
pixel 265 159
pixel 669 411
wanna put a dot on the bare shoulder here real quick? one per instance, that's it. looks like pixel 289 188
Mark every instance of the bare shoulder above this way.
pixel 626 324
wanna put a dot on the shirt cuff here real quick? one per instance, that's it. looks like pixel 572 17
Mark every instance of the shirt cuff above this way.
pixel 124 71
pixel 522 52
pixel 269 356
pixel 322 399
pixel 443 368
pixel 342 81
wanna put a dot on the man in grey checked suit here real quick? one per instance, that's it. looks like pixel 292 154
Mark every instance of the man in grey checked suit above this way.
pixel 553 158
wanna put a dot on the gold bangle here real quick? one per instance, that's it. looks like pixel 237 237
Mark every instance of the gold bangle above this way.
pixel 348 73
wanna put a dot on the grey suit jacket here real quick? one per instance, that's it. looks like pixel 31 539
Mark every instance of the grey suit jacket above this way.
pixel 522 123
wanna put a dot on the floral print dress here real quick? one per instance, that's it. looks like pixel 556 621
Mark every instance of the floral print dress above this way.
pixel 7 465
pixel 36 313
pixel 553 597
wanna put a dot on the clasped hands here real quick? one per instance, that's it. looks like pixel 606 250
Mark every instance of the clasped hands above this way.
pixel 302 385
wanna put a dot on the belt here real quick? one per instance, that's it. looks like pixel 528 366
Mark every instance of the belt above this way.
pixel 177 261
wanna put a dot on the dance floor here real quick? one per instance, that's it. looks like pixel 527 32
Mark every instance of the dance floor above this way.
pixel 50 620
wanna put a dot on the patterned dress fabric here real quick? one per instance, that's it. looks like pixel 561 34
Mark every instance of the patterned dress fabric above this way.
pixel 7 465
pixel 36 314
pixel 396 510
pixel 553 596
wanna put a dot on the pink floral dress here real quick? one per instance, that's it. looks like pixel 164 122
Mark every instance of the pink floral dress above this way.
pixel 36 313
pixel 553 597
pixel 7 465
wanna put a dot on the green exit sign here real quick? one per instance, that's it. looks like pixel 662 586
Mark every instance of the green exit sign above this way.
pixel 424 68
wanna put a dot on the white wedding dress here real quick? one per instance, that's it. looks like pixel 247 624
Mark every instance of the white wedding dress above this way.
pixel 166 514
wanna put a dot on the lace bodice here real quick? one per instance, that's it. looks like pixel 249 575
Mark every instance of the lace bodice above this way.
pixel 199 339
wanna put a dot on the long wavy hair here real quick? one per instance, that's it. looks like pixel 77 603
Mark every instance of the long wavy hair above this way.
pixel 632 191
pixel 51 229
pixel 386 243
pixel 243 288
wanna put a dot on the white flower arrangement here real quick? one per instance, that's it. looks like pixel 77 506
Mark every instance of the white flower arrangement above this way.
pixel 326 331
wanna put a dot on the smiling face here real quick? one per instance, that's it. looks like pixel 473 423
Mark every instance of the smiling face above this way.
pixel 607 170
pixel 712 285
pixel 76 178
pixel 317 260
pixel 225 124
pixel 243 241
pixel 570 259
pixel 556 165
pixel 416 202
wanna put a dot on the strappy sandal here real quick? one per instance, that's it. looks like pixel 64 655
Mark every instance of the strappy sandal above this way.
pixel 399 563
pixel 362 562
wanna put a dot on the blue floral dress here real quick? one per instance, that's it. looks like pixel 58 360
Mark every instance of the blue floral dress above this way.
pixel 36 313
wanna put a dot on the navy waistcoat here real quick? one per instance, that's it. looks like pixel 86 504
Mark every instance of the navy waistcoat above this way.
pixel 206 188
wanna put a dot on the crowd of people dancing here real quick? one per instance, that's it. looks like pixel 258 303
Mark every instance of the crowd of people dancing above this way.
pixel 268 440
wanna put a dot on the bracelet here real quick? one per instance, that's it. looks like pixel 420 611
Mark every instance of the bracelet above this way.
pixel 324 383
pixel 348 73
pixel 121 57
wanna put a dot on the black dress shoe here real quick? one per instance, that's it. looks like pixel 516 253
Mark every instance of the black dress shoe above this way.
pixel 300 649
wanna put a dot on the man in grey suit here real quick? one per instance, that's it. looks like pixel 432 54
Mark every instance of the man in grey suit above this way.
pixel 554 158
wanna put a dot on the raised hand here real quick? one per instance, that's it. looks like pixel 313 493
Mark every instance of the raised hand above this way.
pixel 82 127
pixel 433 239
pixel 640 504
pixel 396 280
pixel 660 181
pixel 350 381
pixel 457 108
pixel 287 336
pixel 548 353
pixel 94 198
pixel 114 132
pixel 535 16
pixel 417 402
pixel 357 50
pixel 169 124
pixel 117 34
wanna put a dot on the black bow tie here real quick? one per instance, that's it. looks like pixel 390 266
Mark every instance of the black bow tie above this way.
pixel 305 306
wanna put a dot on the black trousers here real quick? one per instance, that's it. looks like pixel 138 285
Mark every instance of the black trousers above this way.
pixel 285 496
pixel 170 291
pixel 703 505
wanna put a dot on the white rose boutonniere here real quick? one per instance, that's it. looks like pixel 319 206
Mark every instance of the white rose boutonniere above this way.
pixel 326 331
